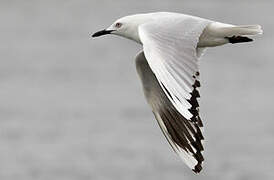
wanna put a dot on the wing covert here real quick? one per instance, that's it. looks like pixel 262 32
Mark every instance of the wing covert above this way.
pixel 170 47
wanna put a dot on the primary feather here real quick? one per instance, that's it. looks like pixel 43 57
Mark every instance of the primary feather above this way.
pixel 183 135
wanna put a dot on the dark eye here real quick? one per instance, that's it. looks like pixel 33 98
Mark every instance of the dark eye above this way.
pixel 118 25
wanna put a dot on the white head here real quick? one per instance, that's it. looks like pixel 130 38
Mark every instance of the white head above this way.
pixel 126 27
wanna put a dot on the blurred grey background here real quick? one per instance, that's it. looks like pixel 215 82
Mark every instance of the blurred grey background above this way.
pixel 72 107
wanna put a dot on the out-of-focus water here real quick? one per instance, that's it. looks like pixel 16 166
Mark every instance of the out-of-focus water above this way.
pixel 72 108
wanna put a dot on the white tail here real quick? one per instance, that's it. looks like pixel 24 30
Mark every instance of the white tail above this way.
pixel 244 30
pixel 227 30
pixel 241 30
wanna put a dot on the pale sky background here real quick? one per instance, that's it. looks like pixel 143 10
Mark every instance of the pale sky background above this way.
pixel 72 107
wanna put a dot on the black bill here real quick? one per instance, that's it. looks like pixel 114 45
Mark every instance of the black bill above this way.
pixel 101 33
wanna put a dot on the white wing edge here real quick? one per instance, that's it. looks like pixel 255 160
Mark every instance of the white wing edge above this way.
pixel 190 161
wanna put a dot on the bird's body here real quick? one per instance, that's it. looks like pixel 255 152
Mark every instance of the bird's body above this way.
pixel 168 67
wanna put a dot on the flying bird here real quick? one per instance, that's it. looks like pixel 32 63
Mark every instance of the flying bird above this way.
pixel 168 67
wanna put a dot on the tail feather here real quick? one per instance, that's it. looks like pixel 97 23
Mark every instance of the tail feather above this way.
pixel 217 34
pixel 242 30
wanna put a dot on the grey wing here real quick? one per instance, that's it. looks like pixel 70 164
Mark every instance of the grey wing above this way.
pixel 183 135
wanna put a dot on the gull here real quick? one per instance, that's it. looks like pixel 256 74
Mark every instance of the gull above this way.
pixel 168 67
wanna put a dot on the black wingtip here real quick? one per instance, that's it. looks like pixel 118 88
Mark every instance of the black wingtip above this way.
pixel 198 168
pixel 239 39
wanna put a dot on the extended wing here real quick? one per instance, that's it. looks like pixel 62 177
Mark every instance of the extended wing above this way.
pixel 170 47
pixel 183 135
